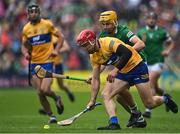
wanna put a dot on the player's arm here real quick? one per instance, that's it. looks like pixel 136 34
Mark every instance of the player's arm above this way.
pixel 89 79
pixel 60 37
pixel 95 85
pixel 125 54
pixel 25 47
pixel 138 43
pixel 56 32
pixel 65 47
pixel 170 47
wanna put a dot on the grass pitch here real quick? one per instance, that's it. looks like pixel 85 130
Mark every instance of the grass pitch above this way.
pixel 19 113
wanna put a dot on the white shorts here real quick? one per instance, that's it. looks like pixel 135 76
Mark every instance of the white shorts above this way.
pixel 157 67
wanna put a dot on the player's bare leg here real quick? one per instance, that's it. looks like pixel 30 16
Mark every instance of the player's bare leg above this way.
pixel 126 100
pixel 110 90
pixel 151 101
pixel 43 89
pixel 45 86
pixel 42 97
pixel 64 87
pixel 121 100
pixel 43 100
pixel 154 77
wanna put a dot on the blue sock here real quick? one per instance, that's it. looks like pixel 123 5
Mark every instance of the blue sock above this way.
pixel 114 120
pixel 165 98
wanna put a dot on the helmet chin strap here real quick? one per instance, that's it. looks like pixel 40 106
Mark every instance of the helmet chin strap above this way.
pixel 93 44
pixel 116 25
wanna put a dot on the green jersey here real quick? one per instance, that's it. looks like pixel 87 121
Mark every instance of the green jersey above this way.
pixel 154 40
pixel 124 34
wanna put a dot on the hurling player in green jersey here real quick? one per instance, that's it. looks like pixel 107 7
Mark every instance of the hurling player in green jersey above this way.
pixel 154 38
pixel 110 28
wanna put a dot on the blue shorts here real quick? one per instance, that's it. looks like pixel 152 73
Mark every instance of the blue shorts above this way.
pixel 58 69
pixel 46 66
pixel 137 75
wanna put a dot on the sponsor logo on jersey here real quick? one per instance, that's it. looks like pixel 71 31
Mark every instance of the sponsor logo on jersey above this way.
pixel 40 39
pixel 129 34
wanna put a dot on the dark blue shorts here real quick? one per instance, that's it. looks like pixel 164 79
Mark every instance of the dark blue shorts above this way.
pixel 58 69
pixel 46 66
pixel 137 75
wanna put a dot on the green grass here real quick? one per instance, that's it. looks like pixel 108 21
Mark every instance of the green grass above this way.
pixel 18 114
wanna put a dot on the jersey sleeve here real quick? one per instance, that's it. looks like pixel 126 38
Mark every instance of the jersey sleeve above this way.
pixel 113 44
pixel 53 29
pixel 24 36
pixel 93 63
pixel 166 36
pixel 127 33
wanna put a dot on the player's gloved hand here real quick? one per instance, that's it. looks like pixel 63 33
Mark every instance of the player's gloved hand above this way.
pixel 112 75
pixel 27 56
pixel 91 105
pixel 89 80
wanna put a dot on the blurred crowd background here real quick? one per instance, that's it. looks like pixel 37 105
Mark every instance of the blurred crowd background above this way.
pixel 71 16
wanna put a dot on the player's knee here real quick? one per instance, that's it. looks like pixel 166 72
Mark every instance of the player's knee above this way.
pixel 44 90
pixel 105 95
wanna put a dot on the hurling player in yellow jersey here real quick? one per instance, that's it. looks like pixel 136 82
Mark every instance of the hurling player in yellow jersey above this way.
pixel 129 69
pixel 110 27
pixel 36 39
pixel 58 67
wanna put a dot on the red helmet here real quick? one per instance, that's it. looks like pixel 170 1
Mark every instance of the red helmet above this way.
pixel 85 36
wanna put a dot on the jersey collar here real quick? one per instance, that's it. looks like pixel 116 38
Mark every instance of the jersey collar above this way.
pixel 155 28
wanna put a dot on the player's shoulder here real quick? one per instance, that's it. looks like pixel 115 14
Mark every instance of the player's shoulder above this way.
pixel 46 21
pixel 109 40
pixel 106 39
pixel 122 28
pixel 26 26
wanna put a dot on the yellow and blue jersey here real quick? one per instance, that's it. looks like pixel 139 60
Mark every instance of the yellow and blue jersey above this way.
pixel 58 67
pixel 39 36
pixel 57 59
pixel 106 54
